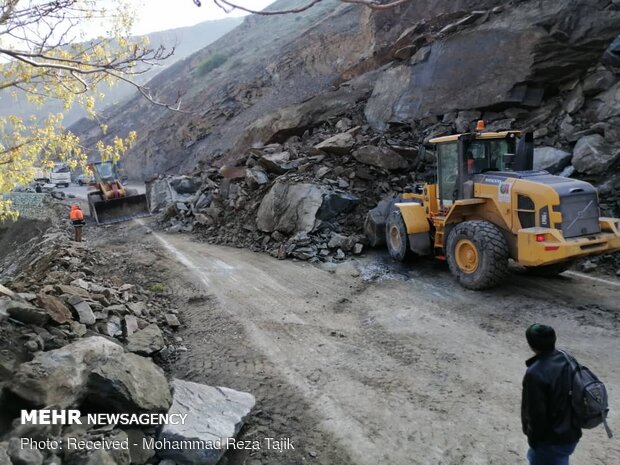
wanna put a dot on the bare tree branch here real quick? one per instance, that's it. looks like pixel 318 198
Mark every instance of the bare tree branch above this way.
pixel 229 6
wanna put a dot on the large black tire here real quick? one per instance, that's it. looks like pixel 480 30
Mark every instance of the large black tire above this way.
pixel 477 254
pixel 396 236
pixel 548 271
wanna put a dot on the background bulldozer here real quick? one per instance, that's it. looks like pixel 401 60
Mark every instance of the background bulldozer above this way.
pixel 110 202
pixel 488 206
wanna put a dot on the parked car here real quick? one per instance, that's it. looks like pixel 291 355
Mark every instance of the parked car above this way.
pixel 84 179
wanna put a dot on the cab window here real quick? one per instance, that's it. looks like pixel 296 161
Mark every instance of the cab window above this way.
pixel 489 155
pixel 447 157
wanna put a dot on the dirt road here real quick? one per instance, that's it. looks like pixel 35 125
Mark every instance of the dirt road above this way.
pixel 396 365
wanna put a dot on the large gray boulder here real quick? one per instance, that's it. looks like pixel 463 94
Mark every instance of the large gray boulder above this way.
pixel 551 159
pixel 26 313
pixel 130 383
pixel 59 377
pixel 593 155
pixel 160 194
pixel 146 341
pixel 213 414
pixel 289 208
pixel 185 184
pixel 381 157
pixel 607 104
pixel 340 144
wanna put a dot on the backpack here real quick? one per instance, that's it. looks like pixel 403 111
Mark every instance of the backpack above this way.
pixel 588 397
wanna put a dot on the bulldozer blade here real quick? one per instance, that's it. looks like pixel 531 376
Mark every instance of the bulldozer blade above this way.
pixel 118 210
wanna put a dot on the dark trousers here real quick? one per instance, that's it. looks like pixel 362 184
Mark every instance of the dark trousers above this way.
pixel 551 454
pixel 77 226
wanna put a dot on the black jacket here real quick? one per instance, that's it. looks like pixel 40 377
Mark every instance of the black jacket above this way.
pixel 545 407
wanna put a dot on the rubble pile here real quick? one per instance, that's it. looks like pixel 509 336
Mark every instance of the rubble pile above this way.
pixel 60 290
pixel 77 337
pixel 307 197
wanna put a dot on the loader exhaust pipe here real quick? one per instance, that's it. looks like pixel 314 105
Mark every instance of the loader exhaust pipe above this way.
pixel 524 158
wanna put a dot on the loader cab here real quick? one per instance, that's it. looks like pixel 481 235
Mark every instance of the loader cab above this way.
pixel 461 157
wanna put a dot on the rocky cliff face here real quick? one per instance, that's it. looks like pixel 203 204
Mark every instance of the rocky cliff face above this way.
pixel 417 65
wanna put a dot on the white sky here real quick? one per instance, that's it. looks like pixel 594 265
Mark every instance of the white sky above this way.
pixel 159 15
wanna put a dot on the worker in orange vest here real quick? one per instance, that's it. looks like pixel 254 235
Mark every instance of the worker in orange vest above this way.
pixel 77 218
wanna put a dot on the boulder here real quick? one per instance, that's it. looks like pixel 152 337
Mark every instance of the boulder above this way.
pixel 146 341
pixel 277 163
pixel 172 320
pixel 213 414
pixel 5 291
pixel 339 241
pixel 129 383
pixel 336 203
pixel 56 309
pixel 232 172
pixel 23 455
pixel 381 157
pixel 26 313
pixel 593 155
pixel 72 290
pixel 607 104
pixel 185 184
pixel 59 377
pixel 290 208
pixel 598 82
pixel 611 57
pixel 551 159
pixel 340 144
pixel 465 121
pixel 83 310
pixel 255 177
pixel 574 101
pixel 160 194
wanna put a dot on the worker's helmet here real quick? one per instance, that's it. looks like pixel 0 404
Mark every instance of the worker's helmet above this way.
pixel 75 207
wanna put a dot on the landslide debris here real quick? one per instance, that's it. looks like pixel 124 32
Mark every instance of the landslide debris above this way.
pixel 76 336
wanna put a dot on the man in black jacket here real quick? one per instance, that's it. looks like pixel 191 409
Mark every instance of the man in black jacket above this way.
pixel 545 408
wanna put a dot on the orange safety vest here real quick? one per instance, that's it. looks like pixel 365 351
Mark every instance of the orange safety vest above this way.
pixel 76 214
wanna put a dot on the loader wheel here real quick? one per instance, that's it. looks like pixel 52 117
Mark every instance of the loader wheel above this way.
pixel 396 236
pixel 477 254
pixel 548 271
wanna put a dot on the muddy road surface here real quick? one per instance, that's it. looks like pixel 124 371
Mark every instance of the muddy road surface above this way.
pixel 376 363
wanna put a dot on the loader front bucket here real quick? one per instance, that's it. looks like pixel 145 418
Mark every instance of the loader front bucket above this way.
pixel 117 210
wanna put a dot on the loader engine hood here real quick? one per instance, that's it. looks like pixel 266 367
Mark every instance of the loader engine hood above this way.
pixel 578 200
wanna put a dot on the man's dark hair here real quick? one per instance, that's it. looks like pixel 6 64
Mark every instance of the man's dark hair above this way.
pixel 541 337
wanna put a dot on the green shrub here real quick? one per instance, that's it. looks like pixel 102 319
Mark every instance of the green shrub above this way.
pixel 157 288
pixel 211 63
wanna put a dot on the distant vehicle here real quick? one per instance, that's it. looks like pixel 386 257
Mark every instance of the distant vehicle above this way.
pixel 41 175
pixel 61 175
pixel 84 179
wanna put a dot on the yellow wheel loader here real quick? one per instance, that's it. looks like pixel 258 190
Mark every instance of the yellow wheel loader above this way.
pixel 109 201
pixel 487 206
